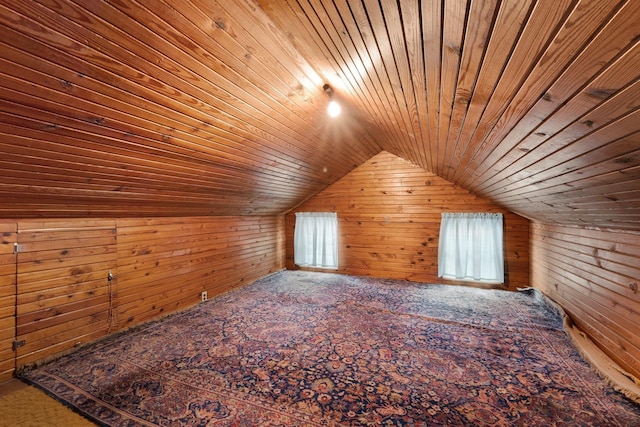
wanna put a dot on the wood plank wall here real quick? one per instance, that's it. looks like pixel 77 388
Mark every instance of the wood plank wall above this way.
pixel 63 296
pixel 594 274
pixel 389 220
pixel 7 299
pixel 159 266
pixel 164 264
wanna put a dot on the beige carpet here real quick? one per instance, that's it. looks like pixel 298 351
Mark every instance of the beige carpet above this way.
pixel 26 406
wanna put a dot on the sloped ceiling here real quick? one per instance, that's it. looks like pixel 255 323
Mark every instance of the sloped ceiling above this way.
pixel 198 107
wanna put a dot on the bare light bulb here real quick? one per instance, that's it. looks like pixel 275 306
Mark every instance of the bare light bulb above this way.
pixel 334 109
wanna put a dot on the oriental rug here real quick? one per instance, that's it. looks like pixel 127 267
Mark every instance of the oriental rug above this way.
pixel 317 349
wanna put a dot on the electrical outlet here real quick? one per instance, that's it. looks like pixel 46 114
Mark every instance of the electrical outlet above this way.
pixel 203 295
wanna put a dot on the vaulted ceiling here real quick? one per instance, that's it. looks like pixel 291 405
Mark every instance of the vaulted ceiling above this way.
pixel 202 107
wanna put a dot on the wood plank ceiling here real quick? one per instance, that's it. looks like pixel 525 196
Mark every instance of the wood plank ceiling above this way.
pixel 201 107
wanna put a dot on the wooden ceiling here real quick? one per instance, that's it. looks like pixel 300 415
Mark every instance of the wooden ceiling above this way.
pixel 202 107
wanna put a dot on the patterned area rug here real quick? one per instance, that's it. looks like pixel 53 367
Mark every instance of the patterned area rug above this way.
pixel 314 349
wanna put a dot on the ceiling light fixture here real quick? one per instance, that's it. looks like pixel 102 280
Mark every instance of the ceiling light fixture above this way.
pixel 334 108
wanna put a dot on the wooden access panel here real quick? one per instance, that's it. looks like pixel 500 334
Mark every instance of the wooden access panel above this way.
pixel 7 299
pixel 64 292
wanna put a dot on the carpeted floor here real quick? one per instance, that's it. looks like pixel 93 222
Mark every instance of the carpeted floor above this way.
pixel 25 406
pixel 299 348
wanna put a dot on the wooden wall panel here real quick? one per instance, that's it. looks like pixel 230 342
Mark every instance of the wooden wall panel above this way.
pixel 161 265
pixel 165 264
pixel 389 217
pixel 64 295
pixel 594 274
pixel 7 299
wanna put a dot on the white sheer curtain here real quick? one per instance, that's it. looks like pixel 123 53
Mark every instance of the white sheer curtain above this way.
pixel 315 239
pixel 470 247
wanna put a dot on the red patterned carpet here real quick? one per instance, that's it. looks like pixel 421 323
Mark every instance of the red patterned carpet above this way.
pixel 313 349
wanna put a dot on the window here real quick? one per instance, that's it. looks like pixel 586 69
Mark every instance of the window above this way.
pixel 315 240
pixel 470 247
